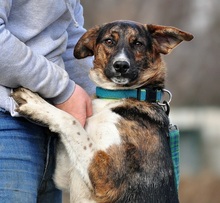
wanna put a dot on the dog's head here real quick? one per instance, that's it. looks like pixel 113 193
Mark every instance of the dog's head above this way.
pixel 127 53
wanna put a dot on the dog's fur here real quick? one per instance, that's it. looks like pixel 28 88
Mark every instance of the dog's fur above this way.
pixel 122 155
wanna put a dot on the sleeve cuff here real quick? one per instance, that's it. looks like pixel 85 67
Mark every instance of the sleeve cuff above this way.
pixel 65 94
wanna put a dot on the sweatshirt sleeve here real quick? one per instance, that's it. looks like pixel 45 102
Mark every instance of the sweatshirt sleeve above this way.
pixel 20 66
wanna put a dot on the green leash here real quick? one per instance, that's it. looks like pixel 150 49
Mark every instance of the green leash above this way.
pixel 174 142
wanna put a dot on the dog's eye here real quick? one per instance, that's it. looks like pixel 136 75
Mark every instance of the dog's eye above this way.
pixel 109 42
pixel 138 44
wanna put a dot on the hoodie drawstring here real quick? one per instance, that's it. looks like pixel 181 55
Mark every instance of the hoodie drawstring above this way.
pixel 70 9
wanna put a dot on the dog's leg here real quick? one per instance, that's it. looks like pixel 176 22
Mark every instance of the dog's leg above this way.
pixel 79 146
pixel 62 173
pixel 67 178
pixel 80 193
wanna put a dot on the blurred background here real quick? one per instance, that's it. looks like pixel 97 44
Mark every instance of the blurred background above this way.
pixel 193 78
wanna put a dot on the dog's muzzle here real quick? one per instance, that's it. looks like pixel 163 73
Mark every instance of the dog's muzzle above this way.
pixel 120 72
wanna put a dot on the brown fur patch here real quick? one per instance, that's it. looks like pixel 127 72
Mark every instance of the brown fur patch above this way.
pixel 100 170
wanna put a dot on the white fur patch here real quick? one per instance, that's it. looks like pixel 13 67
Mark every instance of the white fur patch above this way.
pixel 105 133
pixel 121 56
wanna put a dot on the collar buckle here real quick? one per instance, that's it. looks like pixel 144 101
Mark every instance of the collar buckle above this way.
pixel 149 94
pixel 165 103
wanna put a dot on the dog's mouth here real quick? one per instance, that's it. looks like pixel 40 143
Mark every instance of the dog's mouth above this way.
pixel 113 78
pixel 120 80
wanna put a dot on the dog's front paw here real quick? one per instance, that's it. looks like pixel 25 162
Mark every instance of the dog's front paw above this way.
pixel 28 102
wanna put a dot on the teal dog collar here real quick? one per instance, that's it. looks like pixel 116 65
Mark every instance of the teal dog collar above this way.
pixel 142 94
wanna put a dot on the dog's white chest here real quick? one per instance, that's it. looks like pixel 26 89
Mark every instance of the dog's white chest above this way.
pixel 101 127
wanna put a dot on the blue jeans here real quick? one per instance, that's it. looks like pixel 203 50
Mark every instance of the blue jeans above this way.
pixel 27 162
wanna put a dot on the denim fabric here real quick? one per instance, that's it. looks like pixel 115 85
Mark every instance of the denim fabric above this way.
pixel 26 162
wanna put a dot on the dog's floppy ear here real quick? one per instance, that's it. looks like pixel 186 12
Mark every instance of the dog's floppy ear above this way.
pixel 166 38
pixel 85 45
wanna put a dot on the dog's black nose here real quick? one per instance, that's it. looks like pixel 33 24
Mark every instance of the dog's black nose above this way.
pixel 121 66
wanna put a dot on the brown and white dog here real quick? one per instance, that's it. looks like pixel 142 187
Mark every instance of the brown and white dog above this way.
pixel 122 155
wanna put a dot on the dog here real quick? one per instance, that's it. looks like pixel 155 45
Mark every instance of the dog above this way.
pixel 122 155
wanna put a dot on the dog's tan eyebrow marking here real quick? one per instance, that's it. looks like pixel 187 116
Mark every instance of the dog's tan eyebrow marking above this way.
pixel 114 34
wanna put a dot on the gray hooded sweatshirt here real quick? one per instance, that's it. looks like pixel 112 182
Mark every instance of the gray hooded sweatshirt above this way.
pixel 37 38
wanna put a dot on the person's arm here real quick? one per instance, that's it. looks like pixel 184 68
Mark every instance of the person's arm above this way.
pixel 20 66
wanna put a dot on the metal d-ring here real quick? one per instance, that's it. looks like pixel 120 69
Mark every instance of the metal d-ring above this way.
pixel 170 98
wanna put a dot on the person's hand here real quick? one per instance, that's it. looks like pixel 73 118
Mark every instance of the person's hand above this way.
pixel 78 105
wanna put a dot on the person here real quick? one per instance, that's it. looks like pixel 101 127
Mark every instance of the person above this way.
pixel 37 38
